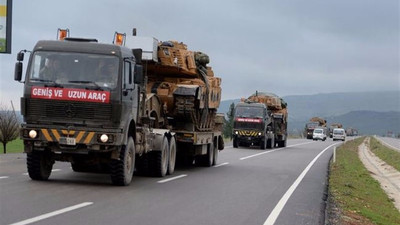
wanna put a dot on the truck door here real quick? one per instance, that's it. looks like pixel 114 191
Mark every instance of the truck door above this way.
pixel 129 89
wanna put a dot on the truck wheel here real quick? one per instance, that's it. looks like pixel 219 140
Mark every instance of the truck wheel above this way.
pixel 39 165
pixel 235 143
pixel 206 160
pixel 284 143
pixel 216 152
pixel 172 156
pixel 159 160
pixel 271 143
pixel 263 143
pixel 122 169
pixel 221 144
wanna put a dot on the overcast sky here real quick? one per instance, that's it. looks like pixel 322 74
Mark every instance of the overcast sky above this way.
pixel 284 47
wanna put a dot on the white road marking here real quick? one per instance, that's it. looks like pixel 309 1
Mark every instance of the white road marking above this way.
pixel 258 154
pixel 4 177
pixel 222 164
pixel 25 174
pixel 278 208
pixel 51 214
pixel 171 179
pixel 262 153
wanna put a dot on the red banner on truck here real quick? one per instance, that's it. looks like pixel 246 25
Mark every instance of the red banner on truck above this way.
pixel 250 120
pixel 70 94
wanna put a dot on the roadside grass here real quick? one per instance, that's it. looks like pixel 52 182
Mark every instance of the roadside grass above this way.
pixel 390 156
pixel 358 196
pixel 15 146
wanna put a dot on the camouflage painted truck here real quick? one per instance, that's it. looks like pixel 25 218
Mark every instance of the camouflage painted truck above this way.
pixel 314 123
pixel 260 120
pixel 137 105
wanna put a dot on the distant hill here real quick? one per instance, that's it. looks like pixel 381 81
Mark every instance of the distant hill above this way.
pixel 303 107
pixel 370 112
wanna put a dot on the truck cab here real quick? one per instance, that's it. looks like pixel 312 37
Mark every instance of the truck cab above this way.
pixel 80 104
pixel 252 125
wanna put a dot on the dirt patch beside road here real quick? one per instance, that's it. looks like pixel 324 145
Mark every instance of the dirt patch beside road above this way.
pixel 386 175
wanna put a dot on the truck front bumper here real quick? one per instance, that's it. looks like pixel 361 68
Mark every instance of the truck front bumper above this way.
pixel 77 140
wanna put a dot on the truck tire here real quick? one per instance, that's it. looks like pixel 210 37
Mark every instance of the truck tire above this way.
pixel 39 165
pixel 282 144
pixel 159 160
pixel 271 143
pixel 235 143
pixel 263 143
pixel 122 169
pixel 216 151
pixel 171 155
pixel 207 159
pixel 221 144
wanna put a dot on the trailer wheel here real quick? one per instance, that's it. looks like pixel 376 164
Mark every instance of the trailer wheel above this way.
pixel 282 143
pixel 206 160
pixel 39 165
pixel 122 169
pixel 271 143
pixel 171 156
pixel 216 151
pixel 159 160
pixel 263 143
pixel 235 143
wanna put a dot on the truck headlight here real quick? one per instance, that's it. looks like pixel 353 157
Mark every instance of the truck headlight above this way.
pixel 236 132
pixel 259 133
pixel 104 138
pixel 33 134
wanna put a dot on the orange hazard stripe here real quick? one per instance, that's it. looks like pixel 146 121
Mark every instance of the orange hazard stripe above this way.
pixel 80 135
pixel 66 132
pixel 89 137
pixel 46 135
pixel 56 134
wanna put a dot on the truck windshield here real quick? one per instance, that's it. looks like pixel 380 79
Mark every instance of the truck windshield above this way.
pixel 312 125
pixel 82 69
pixel 340 132
pixel 249 112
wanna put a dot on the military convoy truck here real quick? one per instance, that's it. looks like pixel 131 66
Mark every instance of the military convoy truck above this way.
pixel 135 106
pixel 260 120
pixel 314 123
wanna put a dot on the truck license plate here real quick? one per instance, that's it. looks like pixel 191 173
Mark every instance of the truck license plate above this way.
pixel 67 141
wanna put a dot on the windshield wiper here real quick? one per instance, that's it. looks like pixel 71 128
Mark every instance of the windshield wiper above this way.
pixel 52 83
pixel 97 87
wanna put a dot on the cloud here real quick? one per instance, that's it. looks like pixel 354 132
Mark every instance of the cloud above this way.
pixel 286 47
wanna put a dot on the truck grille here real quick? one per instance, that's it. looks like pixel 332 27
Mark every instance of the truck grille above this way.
pixel 67 109
pixel 242 125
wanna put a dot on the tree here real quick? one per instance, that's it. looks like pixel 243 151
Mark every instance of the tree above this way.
pixel 9 126
pixel 228 125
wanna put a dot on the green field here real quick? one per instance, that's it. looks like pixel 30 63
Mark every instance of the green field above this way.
pixel 358 196
pixel 15 146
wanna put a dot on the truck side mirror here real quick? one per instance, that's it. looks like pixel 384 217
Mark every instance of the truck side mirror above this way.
pixel 20 56
pixel 138 74
pixel 18 71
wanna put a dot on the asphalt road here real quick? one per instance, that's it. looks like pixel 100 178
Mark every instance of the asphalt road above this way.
pixel 393 143
pixel 248 186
